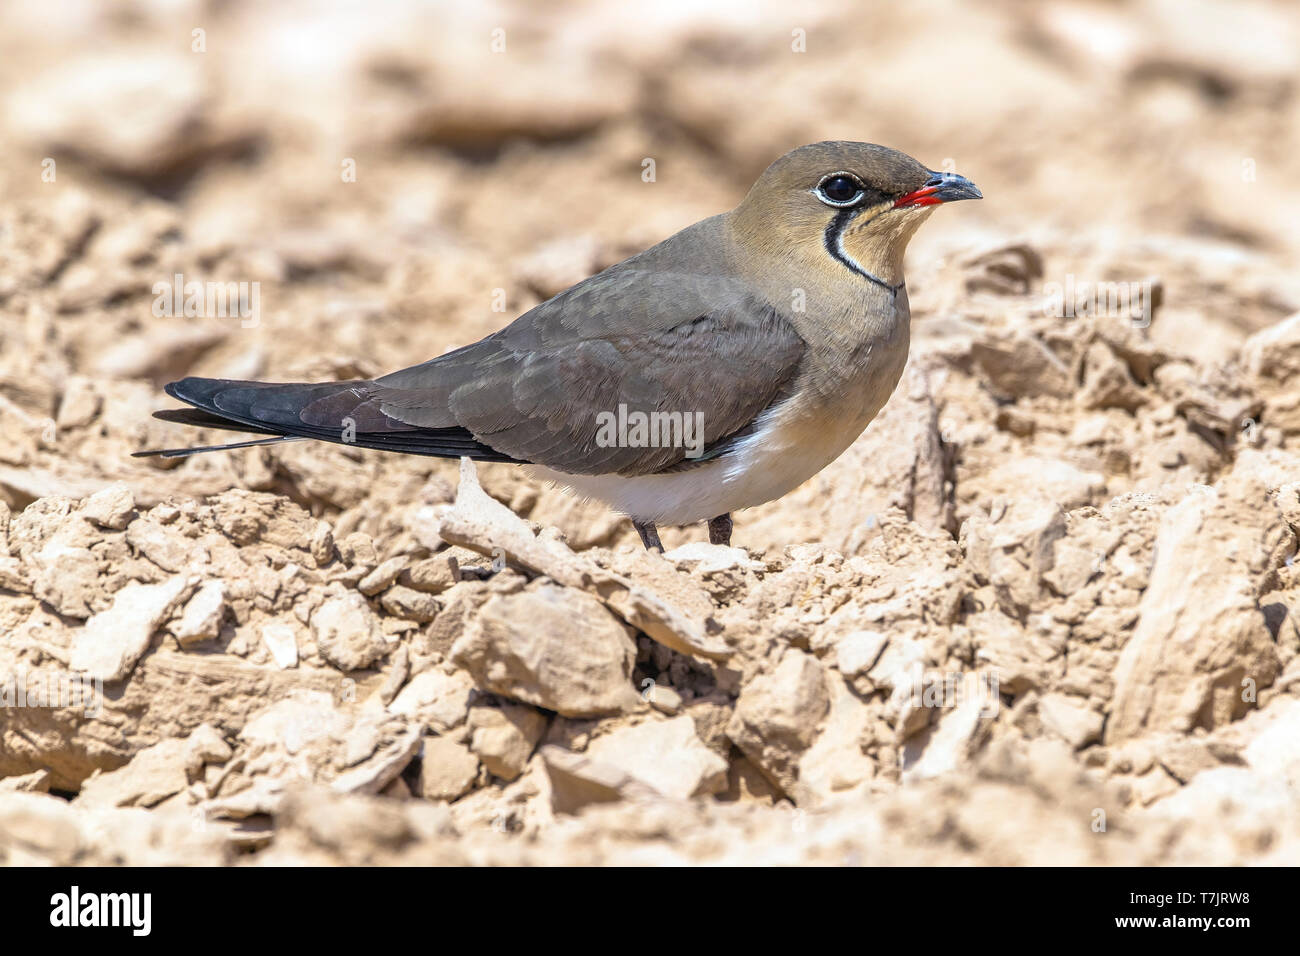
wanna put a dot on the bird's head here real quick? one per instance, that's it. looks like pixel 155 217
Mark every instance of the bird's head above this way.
pixel 855 205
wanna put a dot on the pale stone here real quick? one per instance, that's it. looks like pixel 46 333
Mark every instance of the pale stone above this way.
pixel 504 737
pixel 553 647
pixel 113 640
pixel 1070 718
pixel 201 619
pixel 282 642
pixel 447 769
pixel 347 632
pixel 777 716
pixel 436 698
pixel 111 507
pixel 409 604
pixel 666 755
pixel 857 652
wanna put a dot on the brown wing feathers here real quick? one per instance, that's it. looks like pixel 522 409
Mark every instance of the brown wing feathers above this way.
pixel 638 336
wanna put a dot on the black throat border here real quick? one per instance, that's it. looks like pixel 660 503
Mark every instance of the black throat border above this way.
pixel 831 240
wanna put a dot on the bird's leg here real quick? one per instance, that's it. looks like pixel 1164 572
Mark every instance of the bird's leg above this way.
pixel 720 530
pixel 649 535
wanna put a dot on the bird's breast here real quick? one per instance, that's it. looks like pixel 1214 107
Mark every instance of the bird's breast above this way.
pixel 855 358
pixel 848 374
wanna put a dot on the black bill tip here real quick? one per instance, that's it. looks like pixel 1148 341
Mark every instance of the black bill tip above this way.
pixel 940 188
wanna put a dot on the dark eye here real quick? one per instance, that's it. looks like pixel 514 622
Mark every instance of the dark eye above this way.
pixel 839 189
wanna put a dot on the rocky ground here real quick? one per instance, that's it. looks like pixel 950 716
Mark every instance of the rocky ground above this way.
pixel 1041 612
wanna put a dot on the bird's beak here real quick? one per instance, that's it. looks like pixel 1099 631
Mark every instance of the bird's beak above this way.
pixel 942 187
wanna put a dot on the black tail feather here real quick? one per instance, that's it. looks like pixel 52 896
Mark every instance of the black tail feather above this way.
pixel 342 412
pixel 199 449
pixel 201 419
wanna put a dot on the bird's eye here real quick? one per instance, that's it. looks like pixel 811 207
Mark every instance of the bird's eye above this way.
pixel 839 189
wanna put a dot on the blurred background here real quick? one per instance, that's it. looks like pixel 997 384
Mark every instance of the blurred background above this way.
pixel 385 181
pixel 401 178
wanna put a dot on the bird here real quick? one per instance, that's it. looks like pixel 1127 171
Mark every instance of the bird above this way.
pixel 713 372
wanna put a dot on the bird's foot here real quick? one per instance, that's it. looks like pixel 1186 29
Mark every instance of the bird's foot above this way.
pixel 720 530
pixel 649 535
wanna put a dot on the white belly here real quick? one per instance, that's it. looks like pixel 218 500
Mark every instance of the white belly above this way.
pixel 767 465
pixel 790 444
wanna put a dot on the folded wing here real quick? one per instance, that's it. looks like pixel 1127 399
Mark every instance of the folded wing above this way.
pixel 637 336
